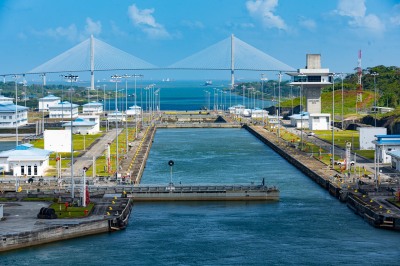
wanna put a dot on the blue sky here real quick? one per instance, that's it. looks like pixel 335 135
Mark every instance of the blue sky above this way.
pixel 164 32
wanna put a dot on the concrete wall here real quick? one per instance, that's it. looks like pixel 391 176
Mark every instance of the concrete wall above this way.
pixel 367 135
pixel 313 100
pixel 52 234
pixel 57 140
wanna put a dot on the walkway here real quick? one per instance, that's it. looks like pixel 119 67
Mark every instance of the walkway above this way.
pixel 86 160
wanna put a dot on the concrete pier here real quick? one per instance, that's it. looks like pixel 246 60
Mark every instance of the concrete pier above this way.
pixel 374 209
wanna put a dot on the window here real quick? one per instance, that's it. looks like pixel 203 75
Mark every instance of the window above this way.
pixel 316 119
pixel 29 170
pixel 22 169
pixel 314 78
pixel 35 169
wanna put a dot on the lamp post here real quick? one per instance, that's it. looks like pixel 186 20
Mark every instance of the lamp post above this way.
pixel 104 96
pixel 116 78
pixel 375 103
pixel 43 83
pixel 71 78
pixel 126 109
pixel 16 77
pixel 243 87
pixel 136 128
pixel 333 118
pixel 342 76
pixel 291 96
pixel 279 102
pixel 262 95
pixel 301 75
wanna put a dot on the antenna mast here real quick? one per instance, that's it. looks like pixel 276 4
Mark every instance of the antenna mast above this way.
pixel 359 83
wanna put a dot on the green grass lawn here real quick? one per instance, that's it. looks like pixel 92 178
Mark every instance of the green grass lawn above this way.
pixel 72 212
pixel 349 102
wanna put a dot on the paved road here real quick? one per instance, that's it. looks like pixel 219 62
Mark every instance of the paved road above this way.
pixel 86 160
pixel 386 171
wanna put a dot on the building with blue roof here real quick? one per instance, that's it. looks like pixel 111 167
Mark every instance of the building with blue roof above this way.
pixel 300 120
pixel 81 126
pixel 385 144
pixel 395 159
pixel 6 99
pixel 63 110
pixel 92 108
pixel 12 115
pixel 46 102
pixel 116 117
pixel 25 160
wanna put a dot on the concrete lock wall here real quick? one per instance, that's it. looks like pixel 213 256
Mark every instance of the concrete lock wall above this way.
pixel 52 234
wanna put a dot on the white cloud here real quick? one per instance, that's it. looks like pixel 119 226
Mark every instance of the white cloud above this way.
pixel 116 30
pixel 71 32
pixel 144 20
pixel 356 10
pixel 193 24
pixel 242 26
pixel 92 27
pixel 353 8
pixel 263 10
pixel 395 20
pixel 307 23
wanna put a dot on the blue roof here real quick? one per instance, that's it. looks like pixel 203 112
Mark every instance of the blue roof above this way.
pixel 388 136
pixel 25 152
pixel 65 104
pixel 80 122
pixel 387 142
pixel 394 154
pixel 93 104
pixel 51 97
pixel 9 107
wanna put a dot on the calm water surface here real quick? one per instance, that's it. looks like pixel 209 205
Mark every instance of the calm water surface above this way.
pixel 307 226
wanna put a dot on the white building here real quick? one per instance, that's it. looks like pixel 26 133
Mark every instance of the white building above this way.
pixel 81 126
pixel 25 160
pixel 12 115
pixel 92 108
pixel 319 121
pixel 395 159
pixel 6 99
pixel 63 110
pixel 46 102
pixel 385 144
pixel 259 113
pixel 92 118
pixel 237 109
pixel 311 80
pixel 300 120
pixel 116 116
pixel 367 135
pixel 134 110
pixel 273 121
pixel 52 140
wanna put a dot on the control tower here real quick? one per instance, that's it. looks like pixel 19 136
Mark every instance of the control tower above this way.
pixel 311 80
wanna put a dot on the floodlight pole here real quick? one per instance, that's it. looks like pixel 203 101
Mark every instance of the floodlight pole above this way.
pixel 375 103
pixel 333 118
pixel 71 78
pixel 279 103
pixel 136 127
pixel 126 110
pixel 116 78
pixel 16 77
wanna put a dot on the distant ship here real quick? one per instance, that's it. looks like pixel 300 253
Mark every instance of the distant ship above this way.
pixel 208 83
pixel 166 80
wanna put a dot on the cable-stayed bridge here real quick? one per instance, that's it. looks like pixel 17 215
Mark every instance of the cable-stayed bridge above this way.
pixel 95 55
